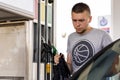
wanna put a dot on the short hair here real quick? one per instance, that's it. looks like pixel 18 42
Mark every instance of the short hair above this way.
pixel 81 7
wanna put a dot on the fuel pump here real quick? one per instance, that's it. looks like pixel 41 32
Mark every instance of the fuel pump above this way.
pixel 44 49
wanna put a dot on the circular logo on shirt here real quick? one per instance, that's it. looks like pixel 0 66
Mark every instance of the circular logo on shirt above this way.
pixel 82 51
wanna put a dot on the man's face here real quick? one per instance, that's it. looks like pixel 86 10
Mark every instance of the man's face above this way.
pixel 81 21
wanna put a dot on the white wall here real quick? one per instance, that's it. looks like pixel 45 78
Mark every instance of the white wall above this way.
pixel 63 21
pixel 115 19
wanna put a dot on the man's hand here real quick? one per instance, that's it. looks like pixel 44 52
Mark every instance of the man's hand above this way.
pixel 56 58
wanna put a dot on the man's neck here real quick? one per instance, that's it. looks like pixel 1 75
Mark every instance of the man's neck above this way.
pixel 88 29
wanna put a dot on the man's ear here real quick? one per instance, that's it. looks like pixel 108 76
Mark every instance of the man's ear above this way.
pixel 90 18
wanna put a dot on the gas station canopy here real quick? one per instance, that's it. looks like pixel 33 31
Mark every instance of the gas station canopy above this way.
pixel 8 12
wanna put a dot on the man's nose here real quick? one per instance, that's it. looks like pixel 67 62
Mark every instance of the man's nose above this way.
pixel 78 23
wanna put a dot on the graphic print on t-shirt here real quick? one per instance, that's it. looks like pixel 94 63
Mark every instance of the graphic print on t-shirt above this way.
pixel 81 52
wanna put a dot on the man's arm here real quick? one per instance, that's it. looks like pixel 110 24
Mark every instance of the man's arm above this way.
pixel 69 62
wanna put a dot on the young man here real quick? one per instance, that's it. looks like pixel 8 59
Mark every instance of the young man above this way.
pixel 86 41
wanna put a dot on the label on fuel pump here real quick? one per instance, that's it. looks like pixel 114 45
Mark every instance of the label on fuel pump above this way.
pixel 48 67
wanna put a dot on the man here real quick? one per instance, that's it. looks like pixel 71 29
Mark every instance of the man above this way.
pixel 86 41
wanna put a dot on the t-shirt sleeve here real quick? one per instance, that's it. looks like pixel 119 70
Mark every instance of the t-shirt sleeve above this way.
pixel 106 40
pixel 68 46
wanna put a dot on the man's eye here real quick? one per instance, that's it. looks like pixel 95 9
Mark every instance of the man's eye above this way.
pixel 74 20
pixel 82 20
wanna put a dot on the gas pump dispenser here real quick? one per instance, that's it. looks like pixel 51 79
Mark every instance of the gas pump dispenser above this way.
pixel 45 49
